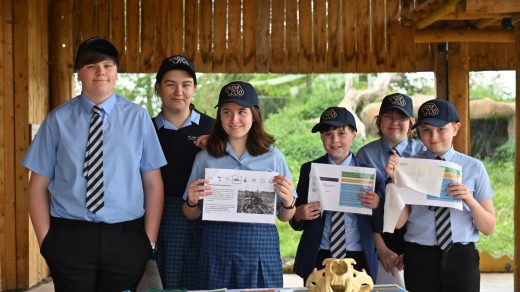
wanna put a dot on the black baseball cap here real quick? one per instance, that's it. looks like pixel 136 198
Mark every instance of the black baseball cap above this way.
pixel 337 117
pixel 99 45
pixel 176 62
pixel 238 92
pixel 399 102
pixel 437 112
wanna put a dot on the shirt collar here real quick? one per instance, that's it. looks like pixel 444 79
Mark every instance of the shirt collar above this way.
pixel 160 121
pixel 107 105
pixel 401 147
pixel 448 155
pixel 346 162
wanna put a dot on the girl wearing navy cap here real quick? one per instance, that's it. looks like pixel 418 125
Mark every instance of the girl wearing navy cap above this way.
pixel 338 130
pixel 440 253
pixel 179 126
pixel 239 255
pixel 394 123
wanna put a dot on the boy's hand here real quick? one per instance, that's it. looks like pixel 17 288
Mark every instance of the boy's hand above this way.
pixel 391 165
pixel 308 211
pixel 369 199
pixel 390 260
pixel 459 191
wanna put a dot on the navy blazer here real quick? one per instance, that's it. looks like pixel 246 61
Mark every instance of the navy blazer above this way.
pixel 310 240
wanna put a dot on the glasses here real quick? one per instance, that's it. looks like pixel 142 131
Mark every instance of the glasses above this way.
pixel 390 119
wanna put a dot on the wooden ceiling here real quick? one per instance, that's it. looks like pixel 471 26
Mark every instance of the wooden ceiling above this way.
pixel 293 36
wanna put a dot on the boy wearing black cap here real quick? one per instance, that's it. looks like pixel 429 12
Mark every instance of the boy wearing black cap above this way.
pixel 440 253
pixel 179 127
pixel 394 122
pixel 337 129
pixel 99 157
pixel 239 255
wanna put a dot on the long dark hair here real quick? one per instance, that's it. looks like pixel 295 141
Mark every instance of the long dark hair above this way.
pixel 258 140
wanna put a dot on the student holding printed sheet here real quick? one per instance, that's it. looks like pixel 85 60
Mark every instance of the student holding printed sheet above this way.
pixel 320 238
pixel 394 122
pixel 440 253
pixel 239 255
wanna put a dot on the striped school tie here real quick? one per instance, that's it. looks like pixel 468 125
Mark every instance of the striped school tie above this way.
pixel 337 236
pixel 443 225
pixel 93 167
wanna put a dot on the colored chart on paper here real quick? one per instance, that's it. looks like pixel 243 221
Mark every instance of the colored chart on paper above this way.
pixel 351 185
pixel 450 175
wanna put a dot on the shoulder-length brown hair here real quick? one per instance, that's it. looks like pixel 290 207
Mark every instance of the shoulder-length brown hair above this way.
pixel 258 140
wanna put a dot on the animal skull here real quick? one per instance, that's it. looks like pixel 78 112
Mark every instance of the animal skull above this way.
pixel 339 275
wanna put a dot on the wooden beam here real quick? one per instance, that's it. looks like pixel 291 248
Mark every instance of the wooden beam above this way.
pixel 461 35
pixel 492 6
pixel 441 70
pixel 61 54
pixel 458 92
pixel 448 7
pixel 516 263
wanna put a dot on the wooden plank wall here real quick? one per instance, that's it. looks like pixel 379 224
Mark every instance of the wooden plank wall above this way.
pixel 286 36
pixel 23 100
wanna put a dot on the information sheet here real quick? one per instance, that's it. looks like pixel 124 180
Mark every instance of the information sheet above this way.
pixel 337 187
pixel 240 196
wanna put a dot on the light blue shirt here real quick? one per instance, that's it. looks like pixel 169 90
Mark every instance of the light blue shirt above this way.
pixel 160 121
pixel 352 237
pixel 376 153
pixel 420 227
pixel 130 148
pixel 271 161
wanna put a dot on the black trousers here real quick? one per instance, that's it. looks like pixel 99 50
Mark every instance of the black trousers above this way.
pixel 358 256
pixel 86 257
pixel 428 269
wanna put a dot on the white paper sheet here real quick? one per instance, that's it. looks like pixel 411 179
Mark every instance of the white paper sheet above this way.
pixel 409 191
pixel 240 196
pixel 337 187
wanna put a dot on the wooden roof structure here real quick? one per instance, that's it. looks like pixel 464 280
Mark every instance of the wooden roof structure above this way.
pixel 38 39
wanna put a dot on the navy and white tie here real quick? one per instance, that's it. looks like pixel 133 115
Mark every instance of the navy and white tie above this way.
pixel 93 166
pixel 443 225
pixel 337 236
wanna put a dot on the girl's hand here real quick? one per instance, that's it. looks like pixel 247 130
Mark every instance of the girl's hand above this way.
pixel 202 141
pixel 198 190
pixel 308 211
pixel 391 165
pixel 369 199
pixel 284 188
pixel 389 259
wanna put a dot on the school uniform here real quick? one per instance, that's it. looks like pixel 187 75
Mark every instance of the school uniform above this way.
pixel 178 242
pixel 376 154
pixel 80 241
pixel 239 255
pixel 428 268
pixel 359 240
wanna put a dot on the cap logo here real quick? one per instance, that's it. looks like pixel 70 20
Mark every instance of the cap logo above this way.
pixel 234 90
pixel 179 60
pixel 430 109
pixel 397 100
pixel 329 115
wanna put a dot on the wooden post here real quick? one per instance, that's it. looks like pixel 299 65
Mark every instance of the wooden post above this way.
pixel 441 70
pixel 458 92
pixel 61 80
pixel 516 264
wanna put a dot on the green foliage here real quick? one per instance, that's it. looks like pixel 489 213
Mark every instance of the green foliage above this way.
pixel 497 85
pixel 289 239
pixel 139 88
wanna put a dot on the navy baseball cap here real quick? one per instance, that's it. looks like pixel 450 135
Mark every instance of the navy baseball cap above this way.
pixel 176 62
pixel 437 112
pixel 238 92
pixel 337 117
pixel 399 102
pixel 98 45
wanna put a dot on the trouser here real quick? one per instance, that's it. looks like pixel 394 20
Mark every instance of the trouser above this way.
pixel 428 268
pixel 358 256
pixel 86 256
